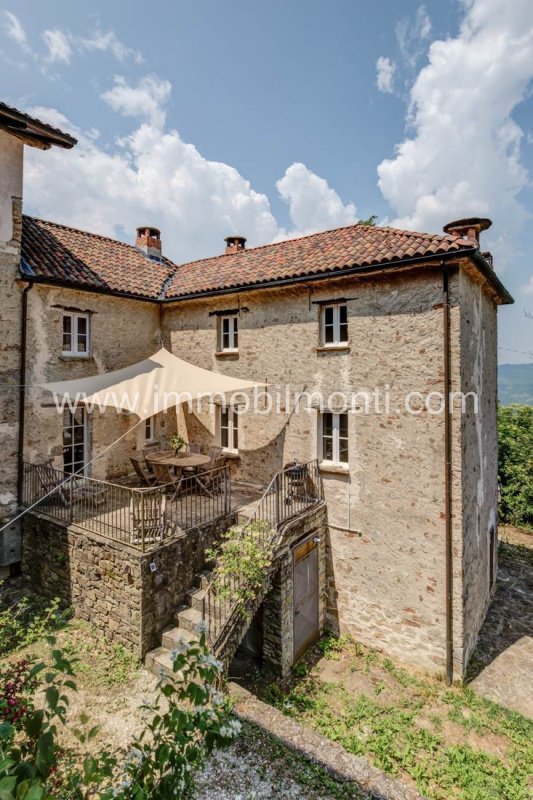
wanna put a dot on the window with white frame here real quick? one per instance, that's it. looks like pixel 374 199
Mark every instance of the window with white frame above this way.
pixel 229 332
pixel 333 434
pixel 75 441
pixel 334 324
pixel 149 429
pixel 76 334
pixel 228 428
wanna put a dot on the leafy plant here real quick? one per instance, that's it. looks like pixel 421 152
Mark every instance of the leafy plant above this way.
pixel 515 464
pixel 27 619
pixel 242 561
pixel 189 718
pixel 177 442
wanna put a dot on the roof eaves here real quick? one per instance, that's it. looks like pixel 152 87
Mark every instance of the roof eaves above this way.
pixel 337 272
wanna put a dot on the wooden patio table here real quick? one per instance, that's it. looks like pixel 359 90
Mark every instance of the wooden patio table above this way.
pixel 180 462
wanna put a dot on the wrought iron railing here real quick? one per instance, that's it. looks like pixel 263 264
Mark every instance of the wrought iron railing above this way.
pixel 291 492
pixel 140 517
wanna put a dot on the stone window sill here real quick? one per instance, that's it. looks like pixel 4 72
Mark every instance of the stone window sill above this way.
pixel 333 348
pixel 335 469
pixel 66 357
pixel 227 354
pixel 231 454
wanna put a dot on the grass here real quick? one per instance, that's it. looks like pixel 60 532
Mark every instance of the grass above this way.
pixel 26 620
pixel 449 742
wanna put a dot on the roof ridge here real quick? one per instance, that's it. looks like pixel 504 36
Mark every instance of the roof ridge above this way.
pixel 390 229
pixel 98 236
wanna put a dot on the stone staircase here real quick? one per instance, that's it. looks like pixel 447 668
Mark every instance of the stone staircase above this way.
pixel 188 618
pixel 275 506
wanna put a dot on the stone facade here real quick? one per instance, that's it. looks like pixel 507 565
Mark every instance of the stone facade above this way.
pixel 122 332
pixel 386 510
pixel 479 435
pixel 11 155
pixel 386 563
pixel 278 606
pixel 111 585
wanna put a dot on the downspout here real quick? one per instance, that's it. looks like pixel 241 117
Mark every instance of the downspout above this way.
pixel 447 477
pixel 22 394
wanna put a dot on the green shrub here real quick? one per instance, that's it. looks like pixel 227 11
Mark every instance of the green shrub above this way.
pixel 27 619
pixel 188 719
pixel 515 467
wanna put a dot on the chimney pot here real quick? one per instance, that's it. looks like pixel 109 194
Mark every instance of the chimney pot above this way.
pixel 234 244
pixel 468 228
pixel 149 240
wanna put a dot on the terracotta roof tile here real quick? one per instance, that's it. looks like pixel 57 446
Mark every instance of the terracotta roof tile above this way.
pixel 60 254
pixel 57 253
pixel 330 251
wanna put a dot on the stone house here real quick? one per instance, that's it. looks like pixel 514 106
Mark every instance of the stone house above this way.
pixel 388 337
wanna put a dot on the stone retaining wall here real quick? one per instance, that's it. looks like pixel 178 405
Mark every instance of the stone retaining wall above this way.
pixel 110 584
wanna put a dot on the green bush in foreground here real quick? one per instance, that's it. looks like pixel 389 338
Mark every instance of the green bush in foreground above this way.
pixel 188 719
pixel 515 464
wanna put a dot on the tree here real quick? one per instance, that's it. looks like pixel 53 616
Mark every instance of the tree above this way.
pixel 515 464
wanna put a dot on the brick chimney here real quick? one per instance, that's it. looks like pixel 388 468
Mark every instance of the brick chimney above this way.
pixel 469 228
pixel 149 240
pixel 234 244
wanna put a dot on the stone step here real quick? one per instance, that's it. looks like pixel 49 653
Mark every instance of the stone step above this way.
pixel 195 598
pixel 189 618
pixel 160 663
pixel 172 636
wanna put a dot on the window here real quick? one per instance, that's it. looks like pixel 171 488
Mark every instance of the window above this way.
pixel 74 441
pixel 149 429
pixel 334 438
pixel 75 334
pixel 334 324
pixel 229 429
pixel 229 333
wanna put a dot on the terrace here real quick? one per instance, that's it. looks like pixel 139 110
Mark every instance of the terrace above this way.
pixel 142 517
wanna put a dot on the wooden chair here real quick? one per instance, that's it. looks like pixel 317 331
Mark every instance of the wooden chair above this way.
pixel 214 454
pixel 145 478
pixel 162 474
pixel 149 451
pixel 195 447
pixel 55 485
pixel 149 523
pixel 214 479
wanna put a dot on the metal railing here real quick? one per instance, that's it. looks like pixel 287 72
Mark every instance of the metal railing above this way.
pixel 291 492
pixel 141 517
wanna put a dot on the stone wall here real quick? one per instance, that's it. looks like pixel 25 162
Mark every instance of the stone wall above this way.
pixel 122 332
pixel 278 606
pixel 112 585
pixel 479 499
pixel 11 155
pixel 386 510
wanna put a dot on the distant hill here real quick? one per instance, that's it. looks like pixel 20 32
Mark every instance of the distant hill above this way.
pixel 515 383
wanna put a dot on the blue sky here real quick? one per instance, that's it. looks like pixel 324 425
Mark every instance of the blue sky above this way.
pixel 280 118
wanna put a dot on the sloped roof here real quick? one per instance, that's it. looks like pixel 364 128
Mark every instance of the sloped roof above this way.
pixel 59 254
pixel 31 130
pixel 66 255
pixel 330 251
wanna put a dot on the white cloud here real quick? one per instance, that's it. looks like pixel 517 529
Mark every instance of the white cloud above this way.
pixel 464 155
pixel 146 100
pixel 152 175
pixel 313 204
pixel 58 45
pixel 15 30
pixel 385 74
pixel 411 35
pixel 109 42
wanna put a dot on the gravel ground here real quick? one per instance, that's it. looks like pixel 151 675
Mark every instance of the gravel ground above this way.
pixel 256 767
